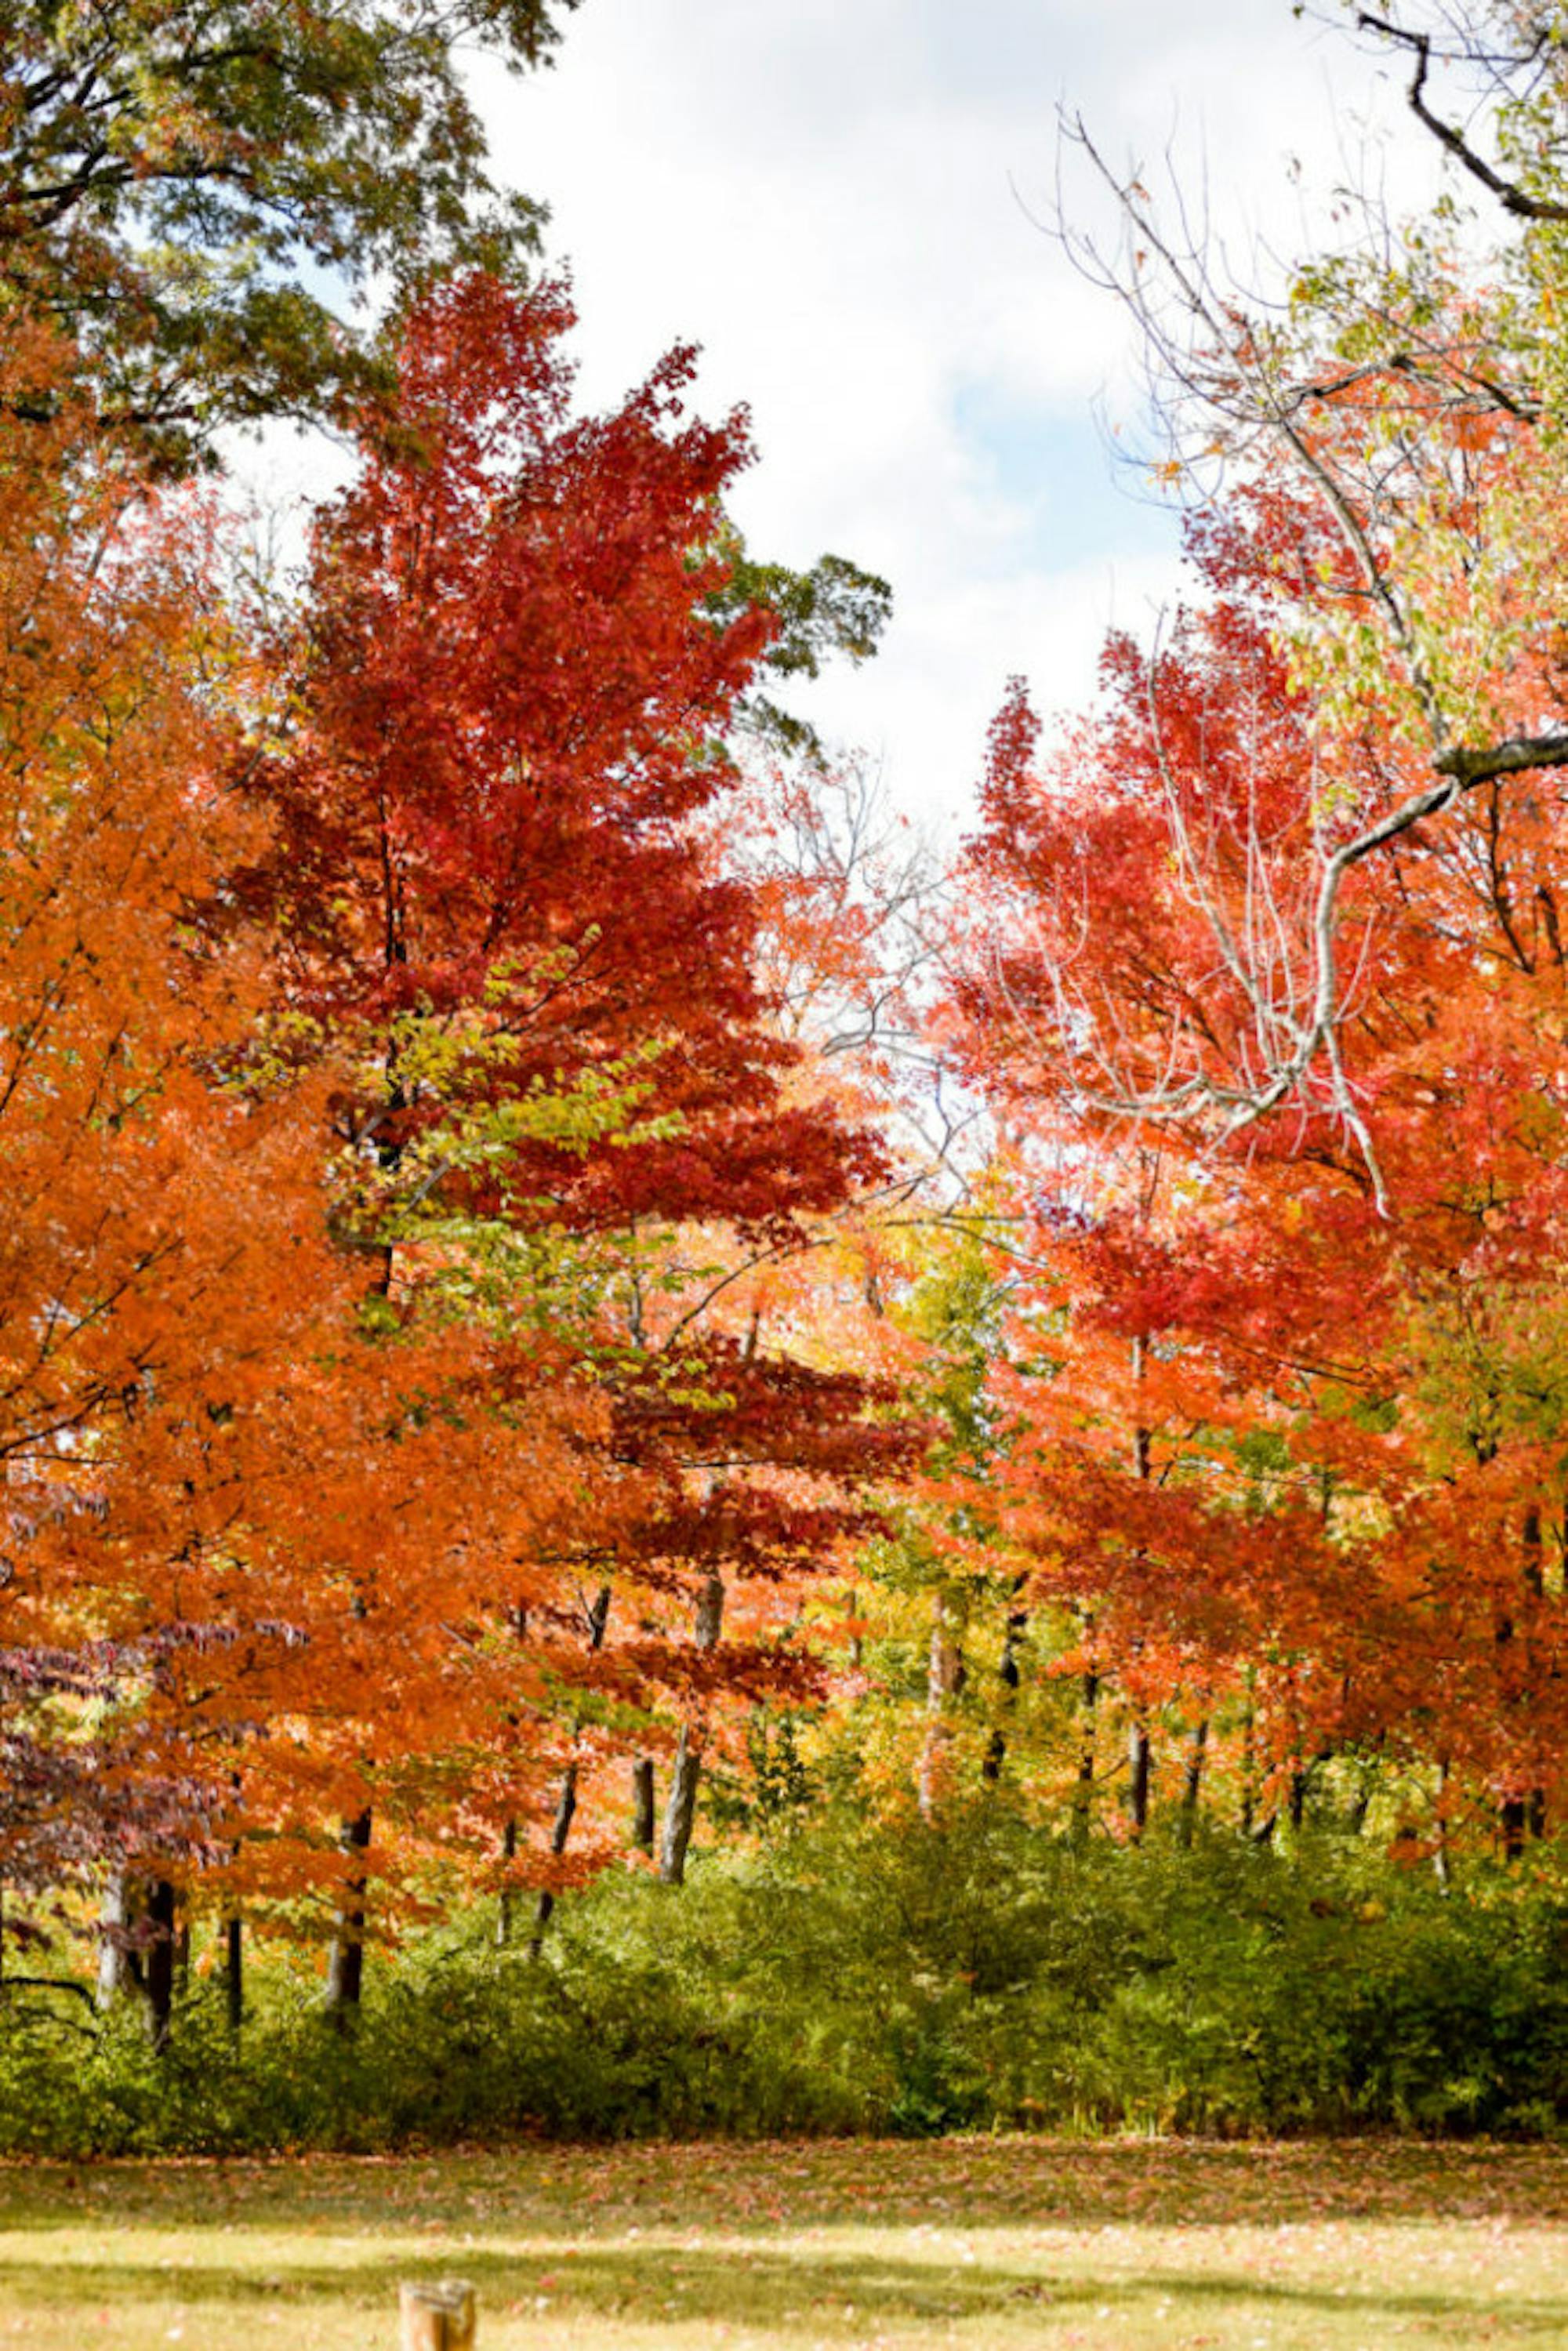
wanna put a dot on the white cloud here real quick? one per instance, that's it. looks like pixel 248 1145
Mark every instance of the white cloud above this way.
pixel 833 198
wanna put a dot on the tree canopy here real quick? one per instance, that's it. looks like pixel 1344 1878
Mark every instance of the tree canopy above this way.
pixel 200 194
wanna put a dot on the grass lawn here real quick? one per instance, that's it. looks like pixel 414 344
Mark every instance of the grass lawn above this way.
pixel 975 2242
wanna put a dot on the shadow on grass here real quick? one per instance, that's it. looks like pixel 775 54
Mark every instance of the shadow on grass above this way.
pixel 825 2293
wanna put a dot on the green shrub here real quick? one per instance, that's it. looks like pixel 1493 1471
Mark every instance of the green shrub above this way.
pixel 890 1978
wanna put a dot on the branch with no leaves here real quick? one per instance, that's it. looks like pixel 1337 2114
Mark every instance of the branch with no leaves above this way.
pixel 1210 356
pixel 1509 193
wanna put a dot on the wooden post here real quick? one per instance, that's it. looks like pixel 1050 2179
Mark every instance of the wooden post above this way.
pixel 437 2317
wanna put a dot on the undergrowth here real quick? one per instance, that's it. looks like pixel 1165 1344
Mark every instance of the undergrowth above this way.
pixel 986 1975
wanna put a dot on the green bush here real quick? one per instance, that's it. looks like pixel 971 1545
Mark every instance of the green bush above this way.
pixel 889 1979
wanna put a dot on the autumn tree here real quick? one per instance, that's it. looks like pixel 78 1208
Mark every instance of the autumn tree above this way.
pixel 142 1315
pixel 1271 1447
pixel 208 1444
pixel 199 195
pixel 1263 986
pixel 568 1105
pixel 1404 393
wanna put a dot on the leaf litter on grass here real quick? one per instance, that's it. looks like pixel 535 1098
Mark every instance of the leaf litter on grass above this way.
pixel 1117 2246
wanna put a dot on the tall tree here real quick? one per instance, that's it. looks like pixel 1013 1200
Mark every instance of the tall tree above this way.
pixel 1284 1430
pixel 566 1115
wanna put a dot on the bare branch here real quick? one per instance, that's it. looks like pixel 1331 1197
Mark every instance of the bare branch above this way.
pixel 1509 193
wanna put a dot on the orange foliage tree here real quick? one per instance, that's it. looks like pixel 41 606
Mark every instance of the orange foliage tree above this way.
pixel 561 1111
pixel 1296 1466
pixel 208 1444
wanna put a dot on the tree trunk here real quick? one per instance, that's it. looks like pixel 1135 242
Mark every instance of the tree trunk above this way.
pixel 1139 1766
pixel 1192 1784
pixel 117 1970
pixel 1535 1595
pixel 111 1967
pixel 1524 1810
pixel 1139 1759
pixel 566 1802
pixel 1440 1849
pixel 681 1810
pixel 120 1967
pixel 1083 1795
pixel 1249 1763
pixel 565 1810
pixel 162 1952
pixel 346 1959
pixel 857 1644
pixel 643 1804
pixel 233 1972
pixel 1008 1676
pixel 504 1915
pixel 944 1680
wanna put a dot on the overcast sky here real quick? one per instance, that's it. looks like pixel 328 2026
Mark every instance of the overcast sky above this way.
pixel 834 198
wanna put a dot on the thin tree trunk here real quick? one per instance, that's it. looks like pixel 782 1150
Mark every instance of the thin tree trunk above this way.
pixel 116 1962
pixel 162 1952
pixel 233 1972
pixel 1440 1849
pixel 1083 1795
pixel 1139 1763
pixel 346 1959
pixel 509 1827
pixel 504 1915
pixel 566 1802
pixel 1535 1595
pixel 681 1810
pixel 1192 1784
pixel 1140 1759
pixel 1249 1763
pixel 346 1952
pixel 643 1804
pixel 1008 1676
pixel 565 1811
pixel 943 1679
pixel 1522 1807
